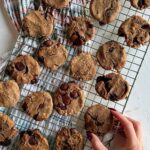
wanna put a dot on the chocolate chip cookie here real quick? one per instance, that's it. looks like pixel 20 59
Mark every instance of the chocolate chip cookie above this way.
pixel 7 130
pixel 80 30
pixel 83 67
pixel 38 105
pixel 69 99
pixel 105 11
pixel 111 55
pixel 69 139
pixel 112 87
pixel 136 31
pixel 33 140
pixel 52 54
pixel 98 119
pixel 58 4
pixel 24 69
pixel 140 4
pixel 9 93
pixel 38 24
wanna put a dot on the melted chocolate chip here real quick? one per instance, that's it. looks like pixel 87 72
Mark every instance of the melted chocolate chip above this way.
pixel 35 116
pixel 113 97
pixel 64 86
pixel 62 106
pixel 74 94
pixel 77 39
pixel 47 43
pixel 89 25
pixel 135 41
pixel 41 59
pixel 26 70
pixel 33 140
pixel 24 106
pixel 73 131
pixel 20 66
pixel 35 80
pixel 146 27
pixel 111 49
pixel 9 70
pixel 102 78
pixel 141 3
pixel 66 99
pixel 7 142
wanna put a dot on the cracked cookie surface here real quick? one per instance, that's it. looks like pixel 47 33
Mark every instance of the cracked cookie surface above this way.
pixel 69 99
pixel 38 105
pixel 83 67
pixel 24 69
pixel 52 54
pixel 105 11
pixel 112 87
pixel 69 139
pixel 140 4
pixel 9 93
pixel 38 24
pixel 33 140
pixel 98 119
pixel 7 130
pixel 111 55
pixel 80 30
pixel 136 31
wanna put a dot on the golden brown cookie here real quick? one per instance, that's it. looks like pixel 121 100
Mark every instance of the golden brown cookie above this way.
pixel 83 67
pixel 105 11
pixel 38 105
pixel 140 4
pixel 98 119
pixel 24 69
pixel 52 54
pixel 69 139
pixel 38 24
pixel 33 140
pixel 136 31
pixel 7 130
pixel 9 93
pixel 69 99
pixel 112 87
pixel 111 55
pixel 80 30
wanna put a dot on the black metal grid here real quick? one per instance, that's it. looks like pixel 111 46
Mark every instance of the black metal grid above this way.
pixel 51 80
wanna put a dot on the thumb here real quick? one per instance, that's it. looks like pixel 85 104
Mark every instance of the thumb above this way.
pixel 95 141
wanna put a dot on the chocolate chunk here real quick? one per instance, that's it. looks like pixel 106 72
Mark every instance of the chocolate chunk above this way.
pixel 77 39
pixel 35 116
pixel 102 78
pixel 74 94
pixel 64 86
pixel 33 140
pixel 141 3
pixel 7 142
pixel 47 43
pixel 89 25
pixel 24 106
pixel 41 59
pixel 111 49
pixel 66 99
pixel 146 27
pixel 62 106
pixel 35 80
pixel 20 66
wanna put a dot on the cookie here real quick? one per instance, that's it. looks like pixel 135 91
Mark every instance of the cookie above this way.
pixel 33 140
pixel 9 93
pixel 83 67
pixel 52 54
pixel 112 87
pixel 58 4
pixel 69 99
pixel 136 31
pixel 7 130
pixel 38 24
pixel 24 69
pixel 111 55
pixel 69 139
pixel 79 31
pixel 140 4
pixel 98 119
pixel 105 11
pixel 38 105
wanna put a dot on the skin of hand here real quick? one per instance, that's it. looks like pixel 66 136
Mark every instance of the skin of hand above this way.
pixel 131 130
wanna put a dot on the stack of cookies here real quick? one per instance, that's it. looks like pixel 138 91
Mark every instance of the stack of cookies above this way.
pixel 69 98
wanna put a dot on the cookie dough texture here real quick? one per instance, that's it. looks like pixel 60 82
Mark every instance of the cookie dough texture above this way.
pixel 98 119
pixel 33 140
pixel 9 93
pixel 136 31
pixel 52 54
pixel 105 11
pixel 111 55
pixel 69 139
pixel 83 67
pixel 140 4
pixel 38 24
pixel 112 87
pixel 24 69
pixel 80 30
pixel 58 4
pixel 7 130
pixel 69 99
pixel 38 105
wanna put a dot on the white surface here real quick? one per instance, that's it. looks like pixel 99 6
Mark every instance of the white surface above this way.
pixel 138 106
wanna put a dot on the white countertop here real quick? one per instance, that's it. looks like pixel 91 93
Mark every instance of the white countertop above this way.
pixel 138 106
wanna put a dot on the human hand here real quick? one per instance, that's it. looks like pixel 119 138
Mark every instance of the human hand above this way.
pixel 129 128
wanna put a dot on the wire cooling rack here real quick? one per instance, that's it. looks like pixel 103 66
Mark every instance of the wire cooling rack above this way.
pixel 51 80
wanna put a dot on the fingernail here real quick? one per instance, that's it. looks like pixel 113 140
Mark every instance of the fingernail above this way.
pixel 89 135
pixel 112 109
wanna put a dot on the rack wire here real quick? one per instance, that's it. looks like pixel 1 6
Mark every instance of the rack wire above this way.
pixel 51 80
